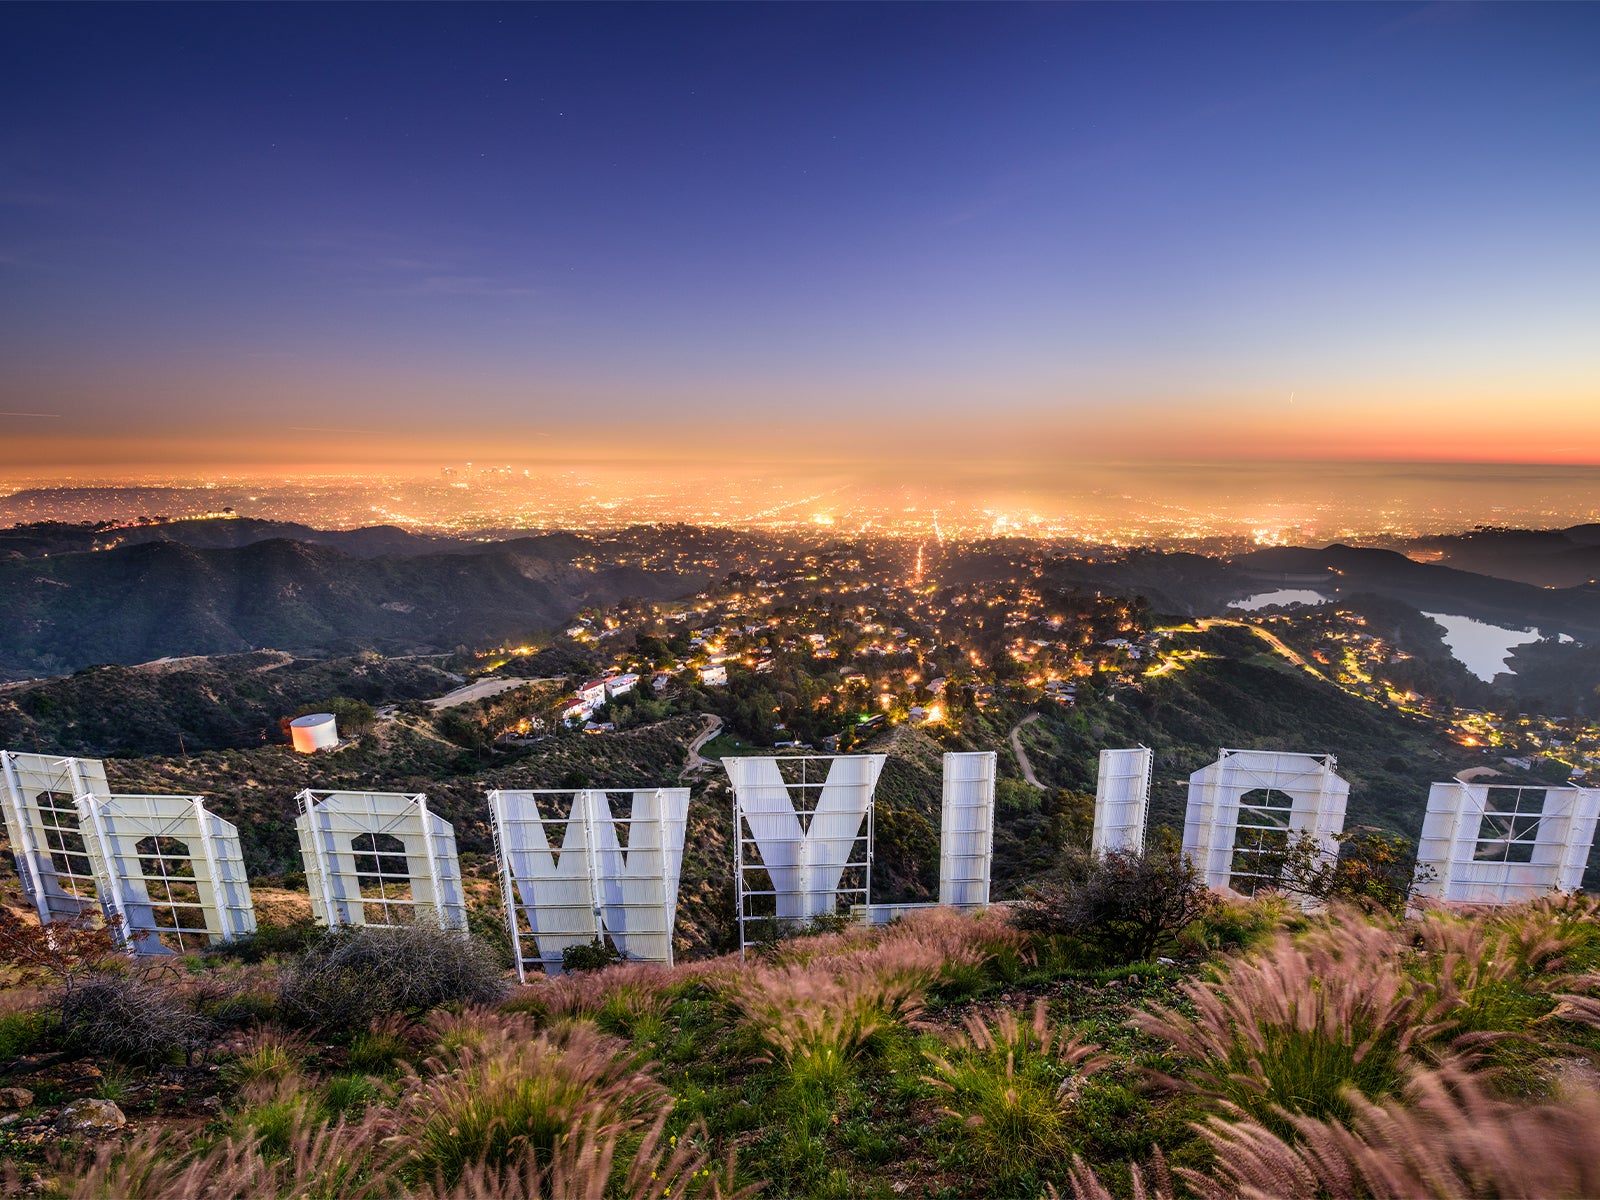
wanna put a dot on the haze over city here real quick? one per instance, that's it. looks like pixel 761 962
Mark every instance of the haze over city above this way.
pixel 1003 256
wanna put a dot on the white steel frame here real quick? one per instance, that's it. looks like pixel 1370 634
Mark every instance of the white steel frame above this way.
pixel 50 833
pixel 1316 799
pixel 966 829
pixel 328 826
pixel 805 835
pixel 1542 835
pixel 570 880
pixel 200 895
pixel 1122 800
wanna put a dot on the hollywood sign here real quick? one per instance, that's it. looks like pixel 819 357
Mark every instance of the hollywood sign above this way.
pixel 573 866
pixel 599 863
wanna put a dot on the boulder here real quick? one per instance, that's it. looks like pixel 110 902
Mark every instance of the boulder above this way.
pixel 15 1097
pixel 90 1114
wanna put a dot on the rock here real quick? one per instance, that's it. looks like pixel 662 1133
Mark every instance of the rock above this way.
pixel 15 1097
pixel 10 1119
pixel 212 1105
pixel 90 1114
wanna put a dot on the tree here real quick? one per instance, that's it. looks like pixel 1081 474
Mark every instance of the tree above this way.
pixel 1372 870
pixel 60 953
pixel 1125 902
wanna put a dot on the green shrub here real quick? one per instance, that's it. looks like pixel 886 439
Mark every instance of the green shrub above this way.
pixel 507 1094
pixel 23 1032
pixel 378 1049
pixel 1300 1026
pixel 269 1056
pixel 1127 903
pixel 268 941
pixel 1241 924
pixel 1013 1086
pixel 275 1122
pixel 595 956
pixel 349 1095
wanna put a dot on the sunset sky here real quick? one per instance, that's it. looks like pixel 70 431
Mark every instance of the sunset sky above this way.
pixel 265 237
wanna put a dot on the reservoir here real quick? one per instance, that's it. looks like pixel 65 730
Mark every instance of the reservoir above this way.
pixel 1480 647
pixel 1281 596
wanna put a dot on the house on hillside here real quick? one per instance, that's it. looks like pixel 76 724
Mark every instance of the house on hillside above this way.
pixel 621 685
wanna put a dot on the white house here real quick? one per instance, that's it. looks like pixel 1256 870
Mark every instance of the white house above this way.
pixel 619 685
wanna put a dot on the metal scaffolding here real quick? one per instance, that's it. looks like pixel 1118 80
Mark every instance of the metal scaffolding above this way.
pixel 797 833
pixel 46 827
pixel 573 870
pixel 1122 800
pixel 1502 844
pixel 165 866
pixel 172 870
pixel 1246 808
pixel 377 858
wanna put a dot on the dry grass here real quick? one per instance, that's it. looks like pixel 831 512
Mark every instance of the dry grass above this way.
pixel 1299 1024
pixel 1013 1084
pixel 499 1092
pixel 630 1000
pixel 1446 1136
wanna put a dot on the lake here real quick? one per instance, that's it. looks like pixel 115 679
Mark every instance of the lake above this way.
pixel 1281 596
pixel 1480 647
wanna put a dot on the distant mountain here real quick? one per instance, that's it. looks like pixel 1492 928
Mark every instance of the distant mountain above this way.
pixel 139 602
pixel 1543 557
pixel 213 533
pixel 1428 586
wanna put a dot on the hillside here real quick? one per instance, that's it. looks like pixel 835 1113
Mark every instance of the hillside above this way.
pixel 1247 699
pixel 1544 557
pixel 230 702
pixel 1433 587
pixel 141 602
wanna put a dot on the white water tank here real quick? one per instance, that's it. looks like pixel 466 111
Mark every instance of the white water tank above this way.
pixel 313 732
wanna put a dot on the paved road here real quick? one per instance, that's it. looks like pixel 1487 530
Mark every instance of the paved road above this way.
pixel 696 763
pixel 1022 755
pixel 1267 636
pixel 481 690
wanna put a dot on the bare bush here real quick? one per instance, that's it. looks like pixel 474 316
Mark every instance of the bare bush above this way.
pixel 353 976
pixel 130 1018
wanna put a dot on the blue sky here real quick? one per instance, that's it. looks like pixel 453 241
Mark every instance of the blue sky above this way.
pixel 465 224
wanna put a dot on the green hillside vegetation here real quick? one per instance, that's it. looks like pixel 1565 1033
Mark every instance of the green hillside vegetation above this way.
pixel 226 703
pixel 1261 1053
pixel 1246 698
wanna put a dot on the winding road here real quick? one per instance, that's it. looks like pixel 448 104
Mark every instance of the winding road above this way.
pixel 696 763
pixel 1267 636
pixel 1022 755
